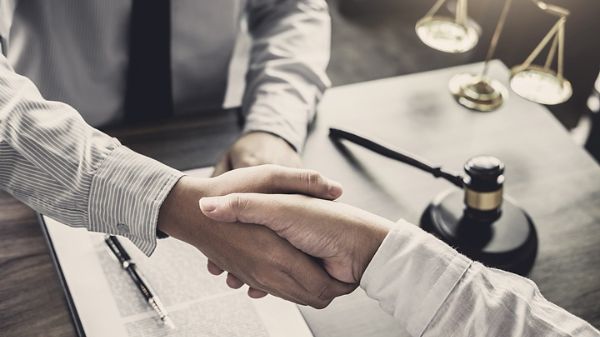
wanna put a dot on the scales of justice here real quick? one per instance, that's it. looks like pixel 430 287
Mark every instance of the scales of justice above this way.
pixel 479 92
pixel 479 220
pixel 475 216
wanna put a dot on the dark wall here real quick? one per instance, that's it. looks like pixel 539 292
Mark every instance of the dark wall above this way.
pixel 527 25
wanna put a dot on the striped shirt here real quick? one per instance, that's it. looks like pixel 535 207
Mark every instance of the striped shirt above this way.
pixel 53 161
pixel 75 51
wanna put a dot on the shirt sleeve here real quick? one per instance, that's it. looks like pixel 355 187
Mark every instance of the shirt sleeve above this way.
pixel 286 76
pixel 53 161
pixel 435 291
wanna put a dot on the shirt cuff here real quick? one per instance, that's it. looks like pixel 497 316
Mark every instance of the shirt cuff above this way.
pixel 283 117
pixel 412 274
pixel 126 194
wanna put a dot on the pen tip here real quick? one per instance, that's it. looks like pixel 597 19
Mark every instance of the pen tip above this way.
pixel 168 322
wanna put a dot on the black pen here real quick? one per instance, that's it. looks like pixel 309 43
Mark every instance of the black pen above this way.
pixel 127 264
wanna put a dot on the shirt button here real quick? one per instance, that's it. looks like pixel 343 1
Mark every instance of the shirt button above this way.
pixel 123 228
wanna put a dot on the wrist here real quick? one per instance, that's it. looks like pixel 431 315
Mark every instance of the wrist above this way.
pixel 276 137
pixel 375 233
pixel 292 135
pixel 268 136
pixel 180 207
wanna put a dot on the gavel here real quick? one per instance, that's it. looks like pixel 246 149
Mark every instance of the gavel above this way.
pixel 477 219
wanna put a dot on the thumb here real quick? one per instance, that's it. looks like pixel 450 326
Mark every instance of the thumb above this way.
pixel 239 207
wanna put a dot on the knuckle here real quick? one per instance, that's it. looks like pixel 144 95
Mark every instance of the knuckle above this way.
pixel 325 293
pixel 269 173
pixel 249 161
pixel 320 303
pixel 237 202
pixel 270 168
pixel 277 262
pixel 312 179
pixel 261 281
pixel 273 171
pixel 230 282
pixel 275 176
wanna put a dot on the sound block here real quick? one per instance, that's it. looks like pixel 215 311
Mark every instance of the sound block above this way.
pixel 508 243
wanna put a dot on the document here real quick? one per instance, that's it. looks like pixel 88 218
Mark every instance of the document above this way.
pixel 109 304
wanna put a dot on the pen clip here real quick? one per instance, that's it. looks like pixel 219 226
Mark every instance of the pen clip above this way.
pixel 117 249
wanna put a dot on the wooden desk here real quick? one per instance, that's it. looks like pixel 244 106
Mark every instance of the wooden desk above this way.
pixel 556 181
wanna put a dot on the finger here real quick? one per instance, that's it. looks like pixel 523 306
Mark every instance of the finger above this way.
pixel 233 282
pixel 280 179
pixel 301 280
pixel 304 283
pixel 222 166
pixel 213 268
pixel 320 286
pixel 261 209
pixel 303 181
pixel 315 298
pixel 337 289
pixel 284 286
pixel 279 284
pixel 256 293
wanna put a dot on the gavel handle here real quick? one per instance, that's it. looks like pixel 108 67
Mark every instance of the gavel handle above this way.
pixel 403 157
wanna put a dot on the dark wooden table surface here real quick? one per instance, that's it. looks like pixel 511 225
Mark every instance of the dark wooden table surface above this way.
pixel 552 178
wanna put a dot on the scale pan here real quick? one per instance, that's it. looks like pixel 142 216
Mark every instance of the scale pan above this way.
pixel 540 85
pixel 444 34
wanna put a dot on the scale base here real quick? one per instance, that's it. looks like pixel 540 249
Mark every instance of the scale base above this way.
pixel 508 243
pixel 477 93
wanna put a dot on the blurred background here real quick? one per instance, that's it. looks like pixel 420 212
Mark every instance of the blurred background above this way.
pixel 375 39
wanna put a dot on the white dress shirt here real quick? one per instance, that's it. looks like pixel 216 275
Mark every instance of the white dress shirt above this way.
pixel 435 291
pixel 76 52
pixel 60 166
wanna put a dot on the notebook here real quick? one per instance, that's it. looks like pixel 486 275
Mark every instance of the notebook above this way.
pixel 104 301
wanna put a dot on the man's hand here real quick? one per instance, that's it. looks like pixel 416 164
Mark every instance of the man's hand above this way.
pixel 345 238
pixel 256 255
pixel 257 148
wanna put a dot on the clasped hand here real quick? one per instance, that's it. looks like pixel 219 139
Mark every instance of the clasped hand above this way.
pixel 277 230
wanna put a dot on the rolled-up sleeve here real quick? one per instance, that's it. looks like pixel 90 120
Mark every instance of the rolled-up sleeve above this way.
pixel 433 290
pixel 412 274
pixel 286 76
pixel 53 161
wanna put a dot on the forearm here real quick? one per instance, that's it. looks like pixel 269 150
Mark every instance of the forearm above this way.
pixel 432 289
pixel 60 166
pixel 286 77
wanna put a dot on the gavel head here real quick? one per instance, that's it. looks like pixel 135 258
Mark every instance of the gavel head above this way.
pixel 482 223
pixel 483 186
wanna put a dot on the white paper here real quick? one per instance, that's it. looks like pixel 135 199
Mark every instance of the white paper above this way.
pixel 200 304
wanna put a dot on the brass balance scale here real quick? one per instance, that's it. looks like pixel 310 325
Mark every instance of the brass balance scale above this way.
pixel 479 92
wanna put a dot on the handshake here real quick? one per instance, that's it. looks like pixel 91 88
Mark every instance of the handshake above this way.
pixel 276 229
